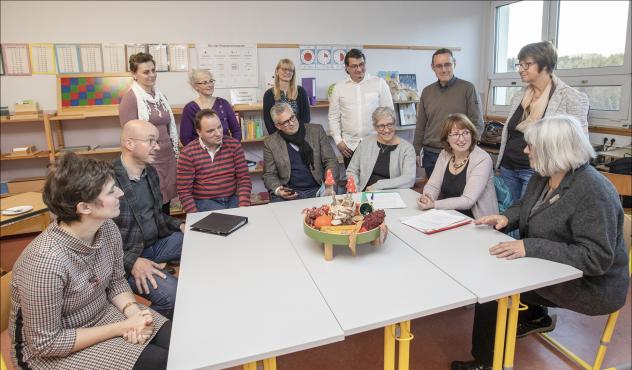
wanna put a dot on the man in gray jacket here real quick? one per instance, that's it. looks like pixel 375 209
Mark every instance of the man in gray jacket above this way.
pixel 438 100
pixel 296 157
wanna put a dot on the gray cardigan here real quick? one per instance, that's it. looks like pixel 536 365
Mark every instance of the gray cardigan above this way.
pixel 565 100
pixel 583 227
pixel 277 160
pixel 479 194
pixel 401 167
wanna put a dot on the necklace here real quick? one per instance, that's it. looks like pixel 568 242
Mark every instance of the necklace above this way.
pixel 384 147
pixel 458 165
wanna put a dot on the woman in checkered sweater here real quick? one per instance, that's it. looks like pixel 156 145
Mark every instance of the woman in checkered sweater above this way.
pixel 71 307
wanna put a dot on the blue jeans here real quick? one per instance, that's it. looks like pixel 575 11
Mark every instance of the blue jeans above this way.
pixel 428 162
pixel 217 203
pixel 516 181
pixel 302 194
pixel 163 298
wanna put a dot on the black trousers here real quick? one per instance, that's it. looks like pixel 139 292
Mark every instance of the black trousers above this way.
pixel 154 356
pixel 484 332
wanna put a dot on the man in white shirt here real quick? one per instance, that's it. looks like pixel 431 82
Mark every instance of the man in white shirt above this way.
pixel 352 103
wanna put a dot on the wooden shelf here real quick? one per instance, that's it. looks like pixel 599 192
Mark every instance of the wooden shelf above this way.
pixel 259 106
pixel 38 154
pixel 255 171
pixel 92 152
pixel 16 119
pixel 259 140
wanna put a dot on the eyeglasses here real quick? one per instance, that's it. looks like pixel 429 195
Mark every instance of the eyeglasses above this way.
pixel 357 66
pixel 209 82
pixel 286 70
pixel 383 127
pixel 288 122
pixel 524 65
pixel 463 135
pixel 150 141
pixel 443 66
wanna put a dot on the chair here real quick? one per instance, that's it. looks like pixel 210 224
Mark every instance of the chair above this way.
pixel 5 308
pixel 623 183
pixel 612 318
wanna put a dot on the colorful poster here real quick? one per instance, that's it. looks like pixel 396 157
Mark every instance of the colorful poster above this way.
pixel 231 65
pixel 43 58
pixel 307 56
pixel 408 80
pixel 82 92
pixel 16 59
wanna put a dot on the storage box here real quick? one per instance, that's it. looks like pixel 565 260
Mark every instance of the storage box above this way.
pixel 25 184
pixel 28 108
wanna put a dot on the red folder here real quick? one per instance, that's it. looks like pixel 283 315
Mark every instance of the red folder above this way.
pixel 464 222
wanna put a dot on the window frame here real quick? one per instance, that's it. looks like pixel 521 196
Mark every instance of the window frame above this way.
pixel 601 76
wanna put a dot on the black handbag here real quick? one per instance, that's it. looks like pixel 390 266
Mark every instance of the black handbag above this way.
pixel 492 134
pixel 622 166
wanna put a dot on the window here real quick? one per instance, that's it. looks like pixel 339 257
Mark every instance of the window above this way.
pixel 602 44
pixel 592 39
pixel 514 24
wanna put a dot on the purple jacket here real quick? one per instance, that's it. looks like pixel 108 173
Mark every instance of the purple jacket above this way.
pixel 223 109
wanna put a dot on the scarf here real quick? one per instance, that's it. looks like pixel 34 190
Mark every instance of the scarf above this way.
pixel 142 102
pixel 304 149
pixel 534 109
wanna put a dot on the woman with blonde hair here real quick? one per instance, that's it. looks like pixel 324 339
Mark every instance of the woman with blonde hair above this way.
pixel 464 177
pixel 203 83
pixel 285 90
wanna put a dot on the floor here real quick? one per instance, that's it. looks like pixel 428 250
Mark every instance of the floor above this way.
pixel 440 338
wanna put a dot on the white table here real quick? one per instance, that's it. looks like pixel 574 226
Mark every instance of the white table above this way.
pixel 245 297
pixel 463 253
pixel 379 287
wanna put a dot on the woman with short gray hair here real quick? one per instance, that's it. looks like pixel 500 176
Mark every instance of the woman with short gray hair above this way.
pixel 383 161
pixel 571 214
pixel 202 81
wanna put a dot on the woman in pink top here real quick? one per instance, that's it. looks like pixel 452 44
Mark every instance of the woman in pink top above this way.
pixel 145 102
pixel 463 178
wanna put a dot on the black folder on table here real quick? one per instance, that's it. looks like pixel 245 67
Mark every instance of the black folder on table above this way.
pixel 219 223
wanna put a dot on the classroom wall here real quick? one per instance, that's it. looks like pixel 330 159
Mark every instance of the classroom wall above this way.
pixel 434 23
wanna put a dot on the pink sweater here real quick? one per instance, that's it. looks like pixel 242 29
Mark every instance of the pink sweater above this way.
pixel 479 194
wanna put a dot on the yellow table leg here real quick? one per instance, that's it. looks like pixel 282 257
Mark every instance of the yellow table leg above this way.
pixel 405 337
pixel 329 252
pixel 501 323
pixel 250 366
pixel 389 347
pixel 512 326
pixel 269 363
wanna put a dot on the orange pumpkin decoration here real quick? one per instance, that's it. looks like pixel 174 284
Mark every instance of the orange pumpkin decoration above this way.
pixel 324 220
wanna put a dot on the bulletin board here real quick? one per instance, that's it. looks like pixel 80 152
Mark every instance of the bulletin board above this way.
pixel 83 93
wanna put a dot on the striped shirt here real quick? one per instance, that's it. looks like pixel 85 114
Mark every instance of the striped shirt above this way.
pixel 200 177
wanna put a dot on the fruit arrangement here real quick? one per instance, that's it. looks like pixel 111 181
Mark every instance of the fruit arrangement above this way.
pixel 342 216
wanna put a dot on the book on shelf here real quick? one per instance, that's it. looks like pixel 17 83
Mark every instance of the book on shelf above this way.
pixel 75 148
pixel 252 128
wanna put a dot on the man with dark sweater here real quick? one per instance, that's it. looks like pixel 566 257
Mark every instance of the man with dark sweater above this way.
pixel 212 173
pixel 296 156
pixel 150 237
pixel 446 96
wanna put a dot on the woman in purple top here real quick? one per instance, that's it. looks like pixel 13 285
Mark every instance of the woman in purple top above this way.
pixel 202 81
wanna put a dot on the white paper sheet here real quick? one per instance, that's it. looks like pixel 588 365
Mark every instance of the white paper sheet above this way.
pixel 432 219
